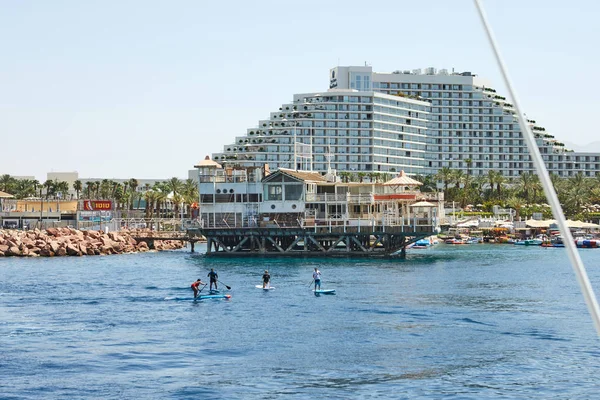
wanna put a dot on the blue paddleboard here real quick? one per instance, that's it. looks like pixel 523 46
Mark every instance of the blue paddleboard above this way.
pixel 213 296
pixel 325 291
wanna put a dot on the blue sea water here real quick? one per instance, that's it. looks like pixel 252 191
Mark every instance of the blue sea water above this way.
pixel 464 322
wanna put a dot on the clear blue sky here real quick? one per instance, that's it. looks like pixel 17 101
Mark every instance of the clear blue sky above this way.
pixel 145 89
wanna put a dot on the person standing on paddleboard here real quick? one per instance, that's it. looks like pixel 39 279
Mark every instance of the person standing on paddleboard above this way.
pixel 213 278
pixel 317 278
pixel 266 279
pixel 195 287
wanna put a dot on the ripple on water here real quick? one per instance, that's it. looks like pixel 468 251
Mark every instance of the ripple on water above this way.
pixel 482 322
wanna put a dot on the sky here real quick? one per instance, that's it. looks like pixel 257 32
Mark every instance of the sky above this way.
pixel 146 89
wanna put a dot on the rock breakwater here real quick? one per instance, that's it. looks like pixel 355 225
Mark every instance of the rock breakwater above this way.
pixel 71 242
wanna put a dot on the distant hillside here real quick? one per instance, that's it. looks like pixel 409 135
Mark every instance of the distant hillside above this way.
pixel 593 147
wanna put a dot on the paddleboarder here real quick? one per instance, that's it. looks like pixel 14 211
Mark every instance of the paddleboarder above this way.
pixel 317 278
pixel 213 278
pixel 266 279
pixel 195 287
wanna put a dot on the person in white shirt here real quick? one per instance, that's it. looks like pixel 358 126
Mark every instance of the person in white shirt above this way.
pixel 317 278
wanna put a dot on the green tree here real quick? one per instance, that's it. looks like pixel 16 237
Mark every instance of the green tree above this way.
pixel 77 186
pixel 133 185
pixel 444 175
pixel 49 186
pixel 7 183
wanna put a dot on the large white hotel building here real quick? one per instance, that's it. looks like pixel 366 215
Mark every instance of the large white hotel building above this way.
pixel 416 121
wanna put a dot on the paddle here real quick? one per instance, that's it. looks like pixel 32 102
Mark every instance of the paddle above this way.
pixel 202 288
pixel 228 287
pixel 311 282
pixel 197 294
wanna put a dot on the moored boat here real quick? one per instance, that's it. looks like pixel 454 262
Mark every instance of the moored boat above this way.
pixel 528 242
pixel 587 243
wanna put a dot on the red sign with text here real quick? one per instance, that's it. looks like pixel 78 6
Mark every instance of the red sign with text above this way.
pixel 97 205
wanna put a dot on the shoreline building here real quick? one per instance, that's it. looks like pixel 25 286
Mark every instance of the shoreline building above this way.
pixel 472 127
pixel 344 130
pixel 247 211
pixel 416 121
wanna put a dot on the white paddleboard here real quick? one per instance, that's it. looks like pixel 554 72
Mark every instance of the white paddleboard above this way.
pixel 324 291
pixel 264 288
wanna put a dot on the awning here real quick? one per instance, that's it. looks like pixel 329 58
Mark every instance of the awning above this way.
pixel 540 224
pixel 423 204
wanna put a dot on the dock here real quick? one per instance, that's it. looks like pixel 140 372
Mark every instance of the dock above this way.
pixel 385 241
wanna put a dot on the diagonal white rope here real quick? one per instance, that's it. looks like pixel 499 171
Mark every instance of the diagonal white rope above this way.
pixel 576 263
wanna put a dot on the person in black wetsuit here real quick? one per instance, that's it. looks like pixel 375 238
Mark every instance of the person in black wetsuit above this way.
pixel 213 278
pixel 266 279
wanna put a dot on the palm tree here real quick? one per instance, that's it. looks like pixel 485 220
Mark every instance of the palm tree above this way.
pixel 77 186
pixel 500 181
pixel 479 183
pixel 492 175
pixel 526 185
pixel 105 189
pixel 49 185
pixel 162 191
pixel 517 204
pixel 6 183
pixel 62 188
pixel 87 190
pixel 133 184
pixel 428 181
pixel 174 185
pixel 361 176
pixel 345 176
pixel 468 161
pixel 190 194
pixel 150 198
pixel 458 178
pixel 36 184
pixel 444 175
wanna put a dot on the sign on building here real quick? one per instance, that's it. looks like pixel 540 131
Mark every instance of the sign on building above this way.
pixel 97 205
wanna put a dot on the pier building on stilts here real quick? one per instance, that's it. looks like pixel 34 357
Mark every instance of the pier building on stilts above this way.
pixel 251 211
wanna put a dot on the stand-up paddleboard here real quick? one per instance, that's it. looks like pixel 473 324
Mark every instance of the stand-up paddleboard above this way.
pixel 325 291
pixel 213 296
pixel 265 288
pixel 200 297
pixel 213 291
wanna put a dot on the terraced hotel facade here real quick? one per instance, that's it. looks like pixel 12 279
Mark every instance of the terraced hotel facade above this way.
pixel 416 121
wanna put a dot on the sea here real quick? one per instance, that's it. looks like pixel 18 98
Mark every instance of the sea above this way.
pixel 483 321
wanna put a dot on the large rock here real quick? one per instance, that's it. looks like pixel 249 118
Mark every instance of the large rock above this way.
pixel 13 251
pixel 46 252
pixel 54 246
pixel 72 250
pixel 82 248
pixel 53 231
